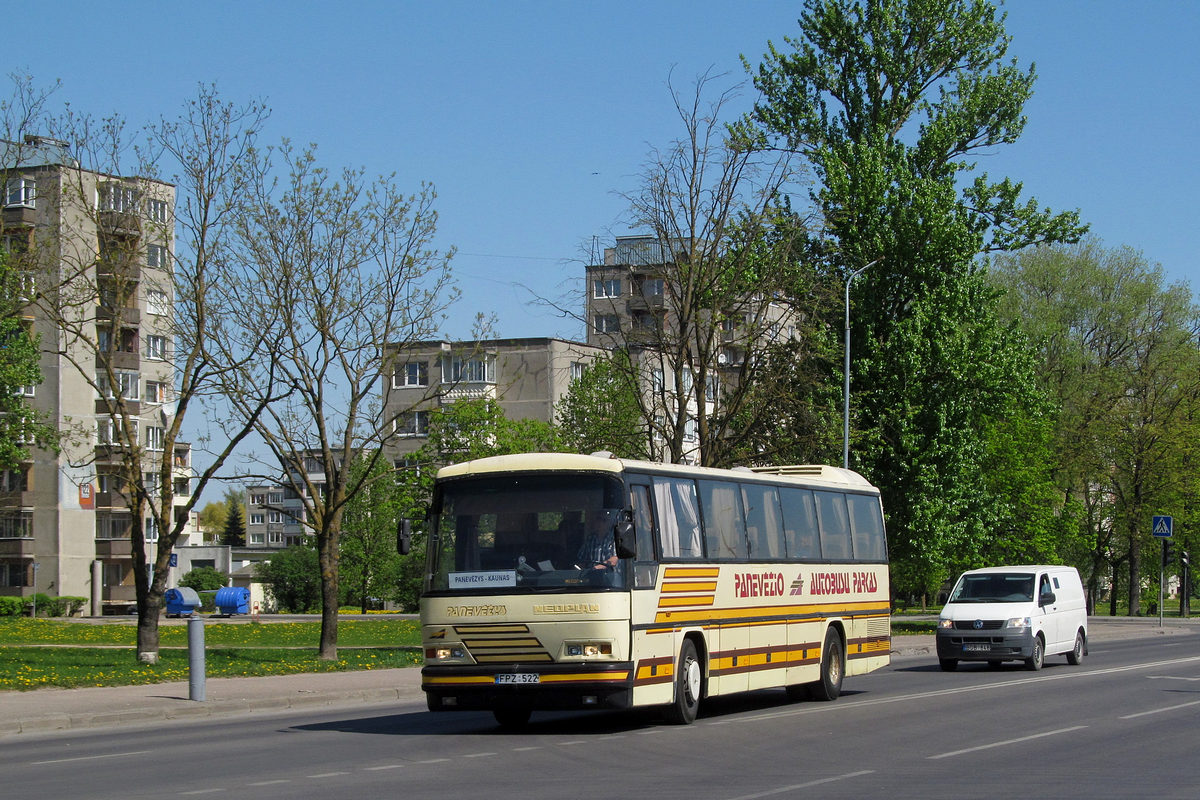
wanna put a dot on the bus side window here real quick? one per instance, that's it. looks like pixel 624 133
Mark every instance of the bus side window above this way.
pixel 835 525
pixel 866 519
pixel 763 526
pixel 800 524
pixel 645 568
pixel 678 518
pixel 724 524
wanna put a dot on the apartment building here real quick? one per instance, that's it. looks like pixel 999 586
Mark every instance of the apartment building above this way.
pixel 633 302
pixel 526 377
pixel 102 245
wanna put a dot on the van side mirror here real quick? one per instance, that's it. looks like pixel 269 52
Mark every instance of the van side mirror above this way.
pixel 404 537
pixel 626 539
pixel 1047 599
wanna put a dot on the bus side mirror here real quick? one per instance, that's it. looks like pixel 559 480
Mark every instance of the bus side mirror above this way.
pixel 626 539
pixel 404 537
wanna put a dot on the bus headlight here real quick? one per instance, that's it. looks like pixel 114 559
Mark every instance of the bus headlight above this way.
pixel 1017 622
pixel 588 649
pixel 443 653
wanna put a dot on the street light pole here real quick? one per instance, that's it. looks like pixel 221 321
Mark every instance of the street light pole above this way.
pixel 846 371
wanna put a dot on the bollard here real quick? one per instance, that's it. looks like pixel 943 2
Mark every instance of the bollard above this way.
pixel 196 659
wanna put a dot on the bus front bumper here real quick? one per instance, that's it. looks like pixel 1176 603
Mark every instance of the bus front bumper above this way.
pixel 534 686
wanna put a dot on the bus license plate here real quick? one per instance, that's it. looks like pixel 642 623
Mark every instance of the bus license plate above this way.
pixel 977 647
pixel 518 677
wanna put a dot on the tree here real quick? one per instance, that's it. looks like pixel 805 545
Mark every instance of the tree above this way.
pixel 204 579
pixel 601 410
pixel 125 248
pixel 234 532
pixel 888 101
pixel 294 577
pixel 722 243
pixel 20 425
pixel 369 563
pixel 1117 353
pixel 330 272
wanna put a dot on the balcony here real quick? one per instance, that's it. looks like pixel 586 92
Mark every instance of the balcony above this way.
pixel 20 215
pixel 122 223
pixel 119 594
pixel 17 548
pixel 114 548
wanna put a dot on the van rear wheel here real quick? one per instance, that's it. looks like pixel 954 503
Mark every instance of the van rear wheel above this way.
pixel 1076 654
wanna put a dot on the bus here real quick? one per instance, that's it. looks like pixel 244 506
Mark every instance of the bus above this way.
pixel 560 581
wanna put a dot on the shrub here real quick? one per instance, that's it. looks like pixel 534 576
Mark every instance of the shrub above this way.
pixel 11 606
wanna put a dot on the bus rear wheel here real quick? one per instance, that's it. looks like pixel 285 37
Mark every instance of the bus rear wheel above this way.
pixel 833 667
pixel 688 682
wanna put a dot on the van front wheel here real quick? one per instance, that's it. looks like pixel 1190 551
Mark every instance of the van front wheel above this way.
pixel 1034 662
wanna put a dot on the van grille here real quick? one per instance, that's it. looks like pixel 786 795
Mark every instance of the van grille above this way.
pixel 969 625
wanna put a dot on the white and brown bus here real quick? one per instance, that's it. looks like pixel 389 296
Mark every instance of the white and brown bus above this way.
pixel 561 581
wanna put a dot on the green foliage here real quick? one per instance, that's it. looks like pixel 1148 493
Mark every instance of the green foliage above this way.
pixel 368 563
pixel 234 532
pixel 601 410
pixel 19 356
pixel 1117 355
pixel 294 578
pixel 11 606
pixel 204 579
pixel 50 606
pixel 888 101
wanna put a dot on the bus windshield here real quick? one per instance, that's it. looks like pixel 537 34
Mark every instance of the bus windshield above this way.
pixel 526 532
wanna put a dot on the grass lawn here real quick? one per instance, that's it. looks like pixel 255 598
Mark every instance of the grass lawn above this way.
pixel 51 652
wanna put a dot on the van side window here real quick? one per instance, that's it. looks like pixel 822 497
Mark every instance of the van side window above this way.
pixel 1055 579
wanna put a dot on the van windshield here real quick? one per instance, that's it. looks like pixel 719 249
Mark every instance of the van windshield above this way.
pixel 1009 587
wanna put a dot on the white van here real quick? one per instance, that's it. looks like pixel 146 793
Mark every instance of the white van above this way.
pixel 1013 614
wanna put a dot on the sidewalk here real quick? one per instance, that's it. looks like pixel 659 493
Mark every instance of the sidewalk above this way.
pixel 49 710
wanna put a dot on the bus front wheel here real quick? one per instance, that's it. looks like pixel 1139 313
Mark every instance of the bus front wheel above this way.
pixel 688 681
pixel 833 667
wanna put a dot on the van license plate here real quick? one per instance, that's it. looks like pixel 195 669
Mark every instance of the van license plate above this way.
pixel 976 647
pixel 518 677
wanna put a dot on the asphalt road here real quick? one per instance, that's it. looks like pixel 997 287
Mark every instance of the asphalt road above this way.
pixel 1124 724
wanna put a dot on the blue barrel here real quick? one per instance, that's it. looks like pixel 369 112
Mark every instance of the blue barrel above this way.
pixel 233 600
pixel 182 601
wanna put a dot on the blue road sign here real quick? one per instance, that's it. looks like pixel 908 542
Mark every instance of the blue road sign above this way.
pixel 1164 527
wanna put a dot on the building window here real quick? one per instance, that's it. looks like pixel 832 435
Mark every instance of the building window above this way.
pixel 20 192
pixel 274 517
pixel 653 287
pixel 607 323
pixel 14 480
pixel 412 423
pixel 115 197
pixel 609 287
pixel 276 537
pixel 156 210
pixel 275 498
pixel 257 519
pixel 658 383
pixel 16 525
pixel 154 437
pixel 258 499
pixel 413 373
pixel 156 392
pixel 112 526
pixel 712 388
pixel 577 370
pixel 157 303
pixel 127 387
pixel 156 255
pixel 257 538
pixel 469 370
pixel 12 573
pixel 151 530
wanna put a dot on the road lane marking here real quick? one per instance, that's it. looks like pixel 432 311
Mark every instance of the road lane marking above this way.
pixel 1006 742
pixel 1170 678
pixel 385 766
pixel 810 784
pixel 1069 675
pixel 327 775
pixel 269 783
pixel 89 758
pixel 1161 710
pixel 201 791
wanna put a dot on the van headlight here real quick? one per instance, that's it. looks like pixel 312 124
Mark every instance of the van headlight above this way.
pixel 1017 622
pixel 945 623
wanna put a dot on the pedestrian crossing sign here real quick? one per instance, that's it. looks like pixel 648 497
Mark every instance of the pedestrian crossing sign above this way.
pixel 1163 527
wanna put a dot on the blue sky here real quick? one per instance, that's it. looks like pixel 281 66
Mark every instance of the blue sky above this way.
pixel 530 117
